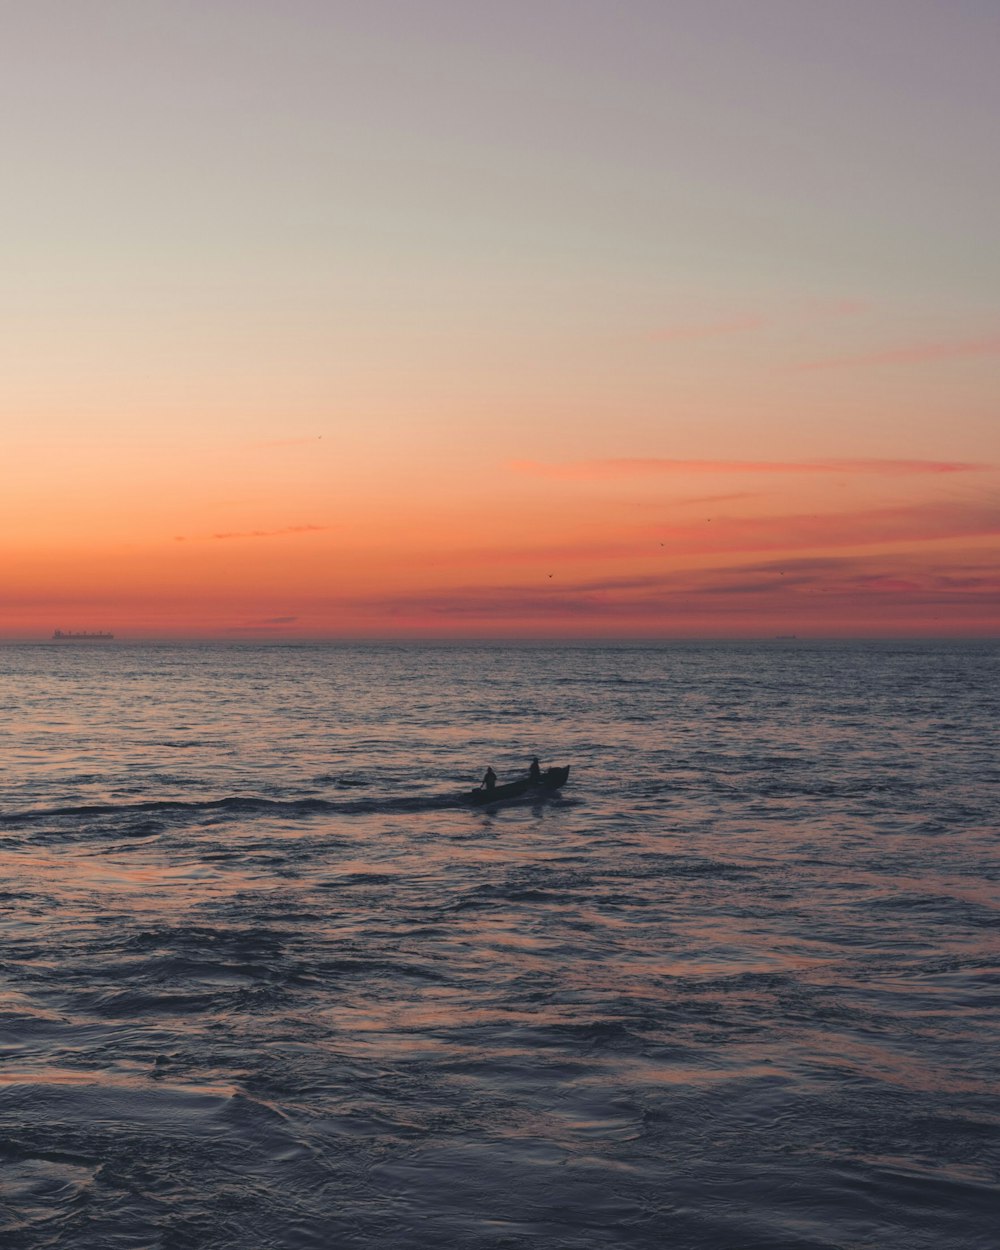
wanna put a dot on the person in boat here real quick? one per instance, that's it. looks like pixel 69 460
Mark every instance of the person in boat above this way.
pixel 490 780
pixel 534 772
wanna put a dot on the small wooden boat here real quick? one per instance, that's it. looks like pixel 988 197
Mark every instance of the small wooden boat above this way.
pixel 550 781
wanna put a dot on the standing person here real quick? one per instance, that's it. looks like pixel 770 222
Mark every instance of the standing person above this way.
pixel 490 780
pixel 534 772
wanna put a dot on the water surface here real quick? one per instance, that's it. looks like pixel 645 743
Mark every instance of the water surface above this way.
pixel 267 984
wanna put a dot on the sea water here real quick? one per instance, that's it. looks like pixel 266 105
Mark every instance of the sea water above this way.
pixel 267 983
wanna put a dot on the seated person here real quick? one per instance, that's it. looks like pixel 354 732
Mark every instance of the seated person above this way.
pixel 534 772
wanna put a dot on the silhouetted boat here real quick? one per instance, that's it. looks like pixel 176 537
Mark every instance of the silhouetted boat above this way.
pixel 551 780
pixel 61 636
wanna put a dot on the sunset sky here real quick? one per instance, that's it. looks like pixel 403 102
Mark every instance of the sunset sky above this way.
pixel 451 318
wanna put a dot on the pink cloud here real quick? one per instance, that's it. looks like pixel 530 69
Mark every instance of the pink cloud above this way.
pixel 623 467
pixel 701 500
pixel 923 522
pixel 264 624
pixel 708 329
pixel 717 594
pixel 836 307
pixel 288 529
pixel 920 353
pixel 289 442
pixel 722 327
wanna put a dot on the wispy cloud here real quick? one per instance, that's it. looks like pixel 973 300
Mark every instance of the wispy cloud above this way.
pixel 917 353
pixel 264 624
pixel 872 527
pixel 892 575
pixel 701 500
pixel 636 466
pixel 230 534
pixel 835 307
pixel 808 587
pixel 694 329
pixel 304 441
pixel 288 529
pixel 920 522
pixel 708 329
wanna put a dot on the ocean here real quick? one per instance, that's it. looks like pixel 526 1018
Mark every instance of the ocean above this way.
pixel 267 983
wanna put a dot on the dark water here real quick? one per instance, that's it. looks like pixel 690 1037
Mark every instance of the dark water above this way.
pixel 265 984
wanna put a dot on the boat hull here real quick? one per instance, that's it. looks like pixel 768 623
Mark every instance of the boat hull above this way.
pixel 551 781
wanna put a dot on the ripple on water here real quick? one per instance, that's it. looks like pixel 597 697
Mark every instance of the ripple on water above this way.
pixel 736 988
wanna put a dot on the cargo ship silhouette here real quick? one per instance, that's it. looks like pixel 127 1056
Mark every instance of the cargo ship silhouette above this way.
pixel 69 636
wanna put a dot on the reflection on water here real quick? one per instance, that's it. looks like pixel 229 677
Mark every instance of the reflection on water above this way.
pixel 268 985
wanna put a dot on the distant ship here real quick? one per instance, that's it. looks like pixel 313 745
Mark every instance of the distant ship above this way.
pixel 83 636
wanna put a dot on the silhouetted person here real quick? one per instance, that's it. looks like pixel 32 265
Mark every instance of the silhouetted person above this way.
pixel 534 772
pixel 490 780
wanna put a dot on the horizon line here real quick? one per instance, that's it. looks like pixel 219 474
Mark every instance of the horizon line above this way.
pixel 570 640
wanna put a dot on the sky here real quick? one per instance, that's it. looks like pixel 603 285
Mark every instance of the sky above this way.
pixel 453 319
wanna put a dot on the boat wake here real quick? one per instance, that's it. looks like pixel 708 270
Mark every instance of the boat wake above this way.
pixel 246 805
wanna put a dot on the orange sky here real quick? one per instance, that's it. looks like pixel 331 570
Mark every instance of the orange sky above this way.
pixel 323 326
pixel 298 544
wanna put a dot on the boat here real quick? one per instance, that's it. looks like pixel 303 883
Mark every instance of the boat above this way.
pixel 550 781
pixel 82 636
